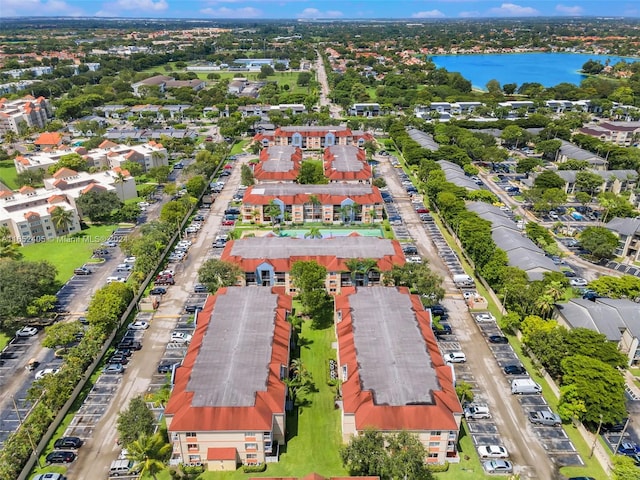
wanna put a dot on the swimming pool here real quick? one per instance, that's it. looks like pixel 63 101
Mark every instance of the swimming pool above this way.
pixel 332 232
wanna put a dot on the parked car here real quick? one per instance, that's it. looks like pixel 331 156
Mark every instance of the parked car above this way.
pixel 485 317
pixel 514 369
pixel 130 260
pixel 492 451
pixel 113 368
pixel 614 427
pixel 200 288
pixel 26 332
pixel 545 417
pixel 82 271
pixel 629 448
pixel 498 466
pixel 166 367
pixel 49 476
pixel 46 371
pixel 228 223
pixel 498 339
pixel 139 325
pixel 192 308
pixel 116 279
pixel 67 442
pixel 442 329
pixel 61 456
pixel 181 337
pixel 119 358
pixel 578 282
pixel 476 412
pixel 129 344
pixel 455 357
pixel 124 267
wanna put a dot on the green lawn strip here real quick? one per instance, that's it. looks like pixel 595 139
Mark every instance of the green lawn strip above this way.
pixel 4 340
pixel 314 436
pixel 592 467
pixel 8 174
pixel 238 147
pixel 68 252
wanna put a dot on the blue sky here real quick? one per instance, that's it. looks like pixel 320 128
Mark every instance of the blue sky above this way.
pixel 327 9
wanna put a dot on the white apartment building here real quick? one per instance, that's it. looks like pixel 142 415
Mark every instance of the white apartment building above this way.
pixel 27 111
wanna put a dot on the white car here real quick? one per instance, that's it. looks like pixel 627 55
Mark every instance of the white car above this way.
pixel 139 325
pixel 47 371
pixel 469 294
pixel 144 204
pixel 167 273
pixel 414 259
pixel 485 317
pixel 578 282
pixel 455 357
pixel 492 451
pixel 26 332
pixel 124 267
pixel 116 279
pixel 181 337
pixel 184 243
pixel 130 260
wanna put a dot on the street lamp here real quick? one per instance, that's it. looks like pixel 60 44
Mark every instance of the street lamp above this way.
pixel 595 439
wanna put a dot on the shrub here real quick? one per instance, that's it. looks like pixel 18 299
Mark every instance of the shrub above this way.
pixel 254 468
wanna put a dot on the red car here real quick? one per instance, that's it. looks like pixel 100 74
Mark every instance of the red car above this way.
pixel 228 223
pixel 422 210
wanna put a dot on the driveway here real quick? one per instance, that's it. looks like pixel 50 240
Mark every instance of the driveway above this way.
pixel 529 457
pixel 141 375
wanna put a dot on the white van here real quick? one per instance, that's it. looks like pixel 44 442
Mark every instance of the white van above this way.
pixel 463 281
pixel 120 468
pixel 525 386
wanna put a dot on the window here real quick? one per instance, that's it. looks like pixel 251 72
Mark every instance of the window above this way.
pixel 191 434
pixel 433 455
pixel 194 458
pixel 192 446
pixel 434 444
pixel 251 447
pixel 436 433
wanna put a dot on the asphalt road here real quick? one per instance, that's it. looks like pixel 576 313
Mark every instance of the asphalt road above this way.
pixel 101 449
pixel 529 458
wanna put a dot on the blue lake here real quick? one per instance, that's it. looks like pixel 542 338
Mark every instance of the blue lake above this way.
pixel 548 69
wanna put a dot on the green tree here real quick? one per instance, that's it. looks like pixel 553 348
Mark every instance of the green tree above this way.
pixel 624 468
pixel 599 385
pixel 216 273
pixel 9 249
pixel 134 168
pixel 31 177
pixel 98 205
pixel 137 419
pixel 246 175
pixel 527 164
pixel 365 454
pixel 312 172
pixel 419 278
pixel 108 304
pixel 308 277
pixel 173 212
pixel 160 174
pixel 514 135
pixel 21 283
pixel 62 219
pixel 588 182
pixel 548 179
pixel 464 391
pixel 405 457
pixel 196 185
pixel 598 241
pixel 626 286
pixel 583 197
pixel 149 454
pixel 72 161
pixel 572 164
pixel 61 334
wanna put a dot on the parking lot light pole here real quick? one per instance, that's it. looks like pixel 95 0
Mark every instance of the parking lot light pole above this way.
pixel 21 422
pixel 593 446
pixel 624 430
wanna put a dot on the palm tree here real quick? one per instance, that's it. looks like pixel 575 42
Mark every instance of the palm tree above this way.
pixel 149 453
pixel 119 180
pixel 61 219
pixel 545 304
pixel 314 232
pixel 315 203
pixel 157 158
pixel 274 212
pixel 8 248
pixel 359 269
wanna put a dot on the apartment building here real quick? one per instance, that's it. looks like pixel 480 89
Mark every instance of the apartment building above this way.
pixel 346 163
pixel 393 375
pixel 312 137
pixel 227 406
pixel 297 203
pixel 26 112
pixel 278 164
pixel 350 261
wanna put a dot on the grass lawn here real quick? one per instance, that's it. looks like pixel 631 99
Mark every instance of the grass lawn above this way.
pixel 68 252
pixel 313 428
pixel 239 147
pixel 8 174
pixel 4 340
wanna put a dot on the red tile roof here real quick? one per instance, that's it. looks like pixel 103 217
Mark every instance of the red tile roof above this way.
pixel 23 160
pixel 92 186
pixel 65 172
pixel 262 172
pixel 222 453
pixel 108 144
pixel 427 417
pixel 49 138
pixel 337 175
pixel 253 196
pixel 28 215
pixel 259 417
pixel 332 263
pixel 26 189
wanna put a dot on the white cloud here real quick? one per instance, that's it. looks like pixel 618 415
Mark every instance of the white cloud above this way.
pixel 315 13
pixel 428 14
pixel 15 8
pixel 469 14
pixel 568 10
pixel 225 12
pixel 513 10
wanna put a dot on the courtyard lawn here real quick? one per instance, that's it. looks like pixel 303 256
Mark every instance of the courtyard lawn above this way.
pixel 313 428
pixel 68 252
pixel 8 174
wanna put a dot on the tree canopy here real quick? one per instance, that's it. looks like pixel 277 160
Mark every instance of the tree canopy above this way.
pixel 598 241
pixel 137 419
pixel 98 205
pixel 216 274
